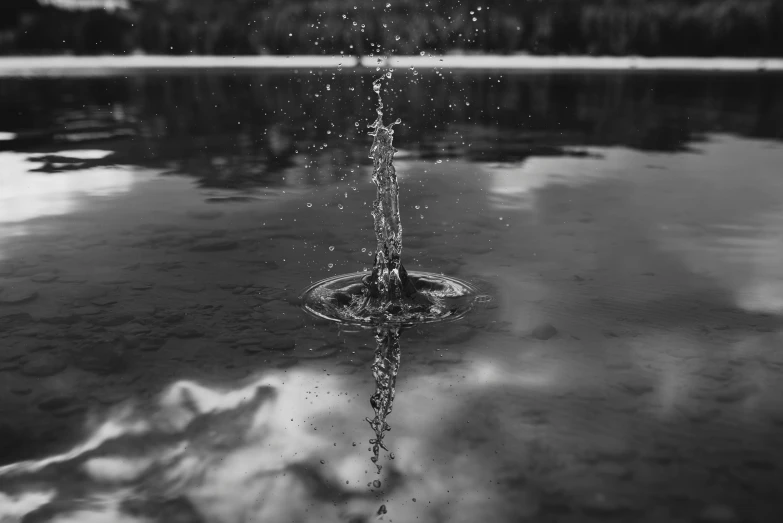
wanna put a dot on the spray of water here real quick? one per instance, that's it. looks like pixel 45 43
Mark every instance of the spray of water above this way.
pixel 388 282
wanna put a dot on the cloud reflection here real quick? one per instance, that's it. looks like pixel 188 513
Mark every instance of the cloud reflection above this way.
pixel 514 186
pixel 278 449
pixel 26 195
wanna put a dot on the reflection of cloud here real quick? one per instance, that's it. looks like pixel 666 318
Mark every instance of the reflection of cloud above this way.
pixel 747 259
pixel 275 450
pixel 513 186
pixel 26 195
pixel 83 154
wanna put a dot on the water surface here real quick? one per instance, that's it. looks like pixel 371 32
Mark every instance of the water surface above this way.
pixel 156 230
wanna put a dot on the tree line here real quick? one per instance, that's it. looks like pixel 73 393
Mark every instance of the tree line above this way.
pixel 594 27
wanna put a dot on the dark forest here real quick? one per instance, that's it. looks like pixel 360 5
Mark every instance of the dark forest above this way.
pixel 362 27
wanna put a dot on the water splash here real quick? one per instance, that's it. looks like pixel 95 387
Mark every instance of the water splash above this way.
pixel 384 370
pixel 389 294
pixel 389 281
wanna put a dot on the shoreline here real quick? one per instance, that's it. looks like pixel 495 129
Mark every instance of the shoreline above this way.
pixel 70 65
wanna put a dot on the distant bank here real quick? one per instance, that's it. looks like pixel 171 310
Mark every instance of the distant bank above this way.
pixel 76 65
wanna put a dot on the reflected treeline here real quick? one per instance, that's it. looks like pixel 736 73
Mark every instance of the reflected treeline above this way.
pixel 617 27
pixel 249 129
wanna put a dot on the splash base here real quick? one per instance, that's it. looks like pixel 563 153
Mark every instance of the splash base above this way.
pixel 345 299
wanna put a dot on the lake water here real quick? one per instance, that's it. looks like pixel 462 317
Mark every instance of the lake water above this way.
pixel 156 231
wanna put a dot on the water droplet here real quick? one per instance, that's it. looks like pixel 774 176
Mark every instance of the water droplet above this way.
pixel 356 124
pixel 323 462
pixel 345 16
pixel 417 207
pixel 421 53
pixel 340 206
pixel 397 38
pixel 388 6
pixel 391 455
pixel 328 87
pixel 331 247
pixel 309 204
pixel 414 500
pixel 388 74
pixel 364 249
pixel 355 24
pixel 382 510
pixel 376 483
pixel 475 19
pixel 331 265
pixel 439 161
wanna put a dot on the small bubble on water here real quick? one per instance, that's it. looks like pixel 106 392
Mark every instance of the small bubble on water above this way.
pixel 340 206
pixel 331 265
pixel 345 16
pixel 364 249
pixel 391 455
pixel 388 74
pixel 417 207
pixel 439 161
pixel 376 483
pixel 388 6
pixel 414 500
pixel 323 462
pixel 397 38
pixel 421 53
pixel 382 510
pixel 309 204
pixel 331 247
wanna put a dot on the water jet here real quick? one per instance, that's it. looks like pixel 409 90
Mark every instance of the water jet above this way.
pixel 388 298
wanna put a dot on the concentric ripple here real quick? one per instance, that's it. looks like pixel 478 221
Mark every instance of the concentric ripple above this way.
pixel 344 299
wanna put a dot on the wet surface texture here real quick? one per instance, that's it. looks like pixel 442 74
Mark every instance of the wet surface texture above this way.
pixel 156 232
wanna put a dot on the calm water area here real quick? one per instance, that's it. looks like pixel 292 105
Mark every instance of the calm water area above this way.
pixel 157 229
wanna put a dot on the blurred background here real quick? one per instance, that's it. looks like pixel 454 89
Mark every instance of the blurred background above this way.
pixel 250 27
pixel 160 216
